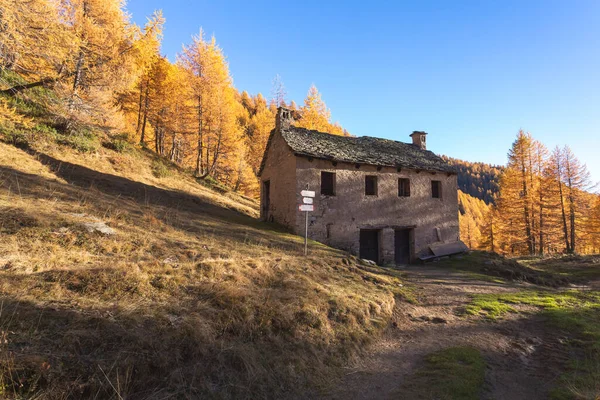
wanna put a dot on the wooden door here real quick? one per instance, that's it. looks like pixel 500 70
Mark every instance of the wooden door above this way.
pixel 369 244
pixel 402 246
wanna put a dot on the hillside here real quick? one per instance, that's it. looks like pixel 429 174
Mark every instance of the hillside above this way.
pixel 477 179
pixel 473 215
pixel 185 294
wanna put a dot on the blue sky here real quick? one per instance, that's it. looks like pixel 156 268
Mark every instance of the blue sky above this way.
pixel 471 73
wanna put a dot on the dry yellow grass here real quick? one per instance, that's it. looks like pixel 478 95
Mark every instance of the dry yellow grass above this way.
pixel 192 296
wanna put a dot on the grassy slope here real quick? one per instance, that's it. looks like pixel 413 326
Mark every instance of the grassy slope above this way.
pixel 192 296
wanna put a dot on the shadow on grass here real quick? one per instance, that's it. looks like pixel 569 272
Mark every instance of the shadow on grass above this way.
pixel 178 209
pixel 580 326
pixel 491 266
pixel 456 373
pixel 114 333
pixel 577 268
pixel 101 353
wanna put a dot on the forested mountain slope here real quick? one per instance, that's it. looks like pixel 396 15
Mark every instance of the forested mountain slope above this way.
pixel 477 179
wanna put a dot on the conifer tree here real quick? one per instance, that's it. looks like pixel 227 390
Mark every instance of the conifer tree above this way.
pixel 315 114
pixel 577 181
pixel 516 194
pixel 34 41
pixel 490 238
pixel 594 225
pixel 214 100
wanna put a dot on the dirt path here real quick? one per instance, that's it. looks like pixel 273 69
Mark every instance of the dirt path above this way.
pixel 522 357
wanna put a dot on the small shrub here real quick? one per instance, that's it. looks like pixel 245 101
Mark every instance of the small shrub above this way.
pixel 81 143
pixel 160 169
pixel 46 130
pixel 215 185
pixel 118 143
pixel 78 137
pixel 17 138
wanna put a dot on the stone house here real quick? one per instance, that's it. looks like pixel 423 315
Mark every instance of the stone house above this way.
pixel 383 200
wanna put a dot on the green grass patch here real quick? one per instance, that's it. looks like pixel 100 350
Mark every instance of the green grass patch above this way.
pixel 456 373
pixel 496 305
pixel 491 308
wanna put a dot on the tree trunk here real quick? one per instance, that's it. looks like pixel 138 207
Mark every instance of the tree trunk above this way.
pixel 564 217
pixel 493 248
pixel 76 80
pixel 78 66
pixel 199 162
pixel 216 154
pixel 572 217
pixel 526 211
pixel 172 152
pixel 145 117
pixel 20 88
pixel 140 105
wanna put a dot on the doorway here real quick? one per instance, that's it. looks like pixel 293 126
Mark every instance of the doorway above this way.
pixel 402 246
pixel 369 244
pixel 266 199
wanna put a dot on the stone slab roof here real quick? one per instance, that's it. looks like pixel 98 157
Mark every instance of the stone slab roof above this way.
pixel 361 150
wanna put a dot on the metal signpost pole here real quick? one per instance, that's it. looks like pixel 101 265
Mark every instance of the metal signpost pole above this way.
pixel 306 230
pixel 306 206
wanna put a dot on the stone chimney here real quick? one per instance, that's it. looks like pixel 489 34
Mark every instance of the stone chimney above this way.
pixel 419 139
pixel 283 119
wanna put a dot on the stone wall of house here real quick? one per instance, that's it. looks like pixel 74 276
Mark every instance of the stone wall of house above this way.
pixel 337 220
pixel 280 170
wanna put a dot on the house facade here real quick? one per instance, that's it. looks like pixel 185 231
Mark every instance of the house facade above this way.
pixel 379 199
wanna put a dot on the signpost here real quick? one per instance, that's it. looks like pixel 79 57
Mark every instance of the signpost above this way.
pixel 306 206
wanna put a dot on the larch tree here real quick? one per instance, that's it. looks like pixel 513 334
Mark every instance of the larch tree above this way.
pixel 538 159
pixel 490 238
pixel 594 225
pixel 134 101
pixel 99 66
pixel 88 48
pixel 472 213
pixel 577 181
pixel 214 99
pixel 248 103
pixel 35 42
pixel 555 174
pixel 516 194
pixel 315 114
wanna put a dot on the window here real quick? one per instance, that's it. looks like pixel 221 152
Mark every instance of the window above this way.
pixel 370 185
pixel 436 189
pixel 328 183
pixel 403 187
